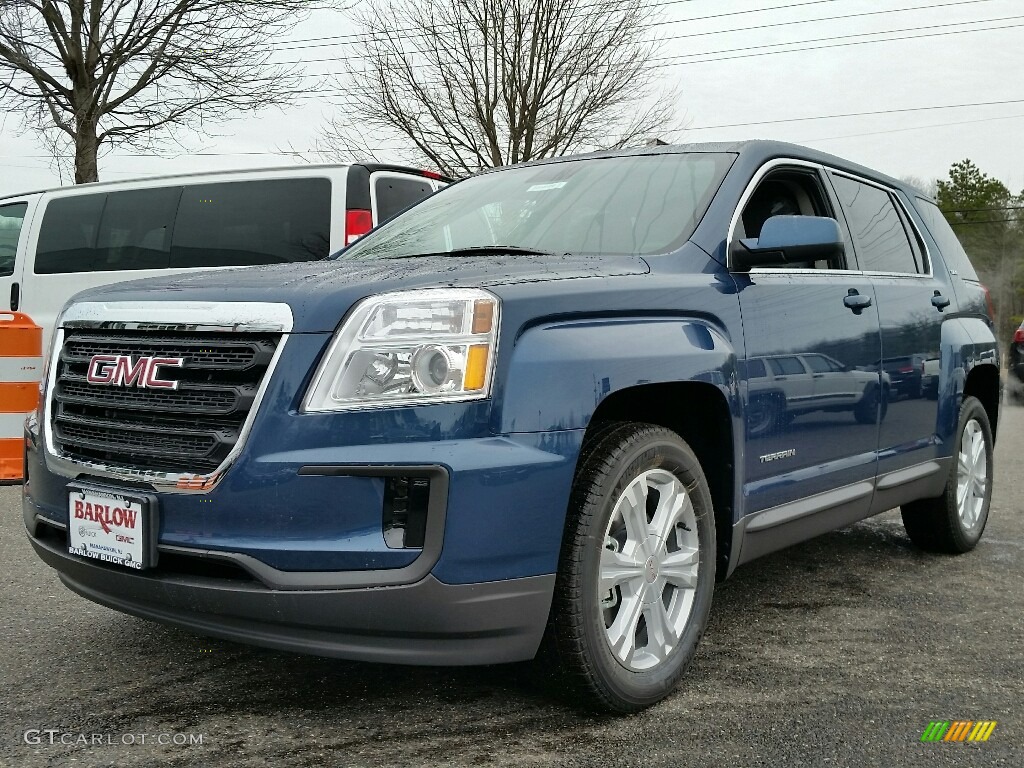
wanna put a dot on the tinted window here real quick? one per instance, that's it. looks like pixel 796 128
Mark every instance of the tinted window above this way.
pixel 206 225
pixel 876 227
pixel 641 204
pixel 253 222
pixel 11 218
pixel 395 194
pixel 785 366
pixel 101 233
pixel 67 236
pixel 949 246
pixel 135 230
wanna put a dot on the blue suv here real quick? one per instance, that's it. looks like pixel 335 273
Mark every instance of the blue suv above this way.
pixel 541 412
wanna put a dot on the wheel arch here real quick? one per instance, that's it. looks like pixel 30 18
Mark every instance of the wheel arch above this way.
pixel 699 413
pixel 983 383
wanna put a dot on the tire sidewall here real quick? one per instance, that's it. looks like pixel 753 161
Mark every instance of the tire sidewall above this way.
pixel 967 539
pixel 656 452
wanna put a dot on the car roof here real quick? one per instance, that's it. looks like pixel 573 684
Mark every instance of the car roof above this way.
pixel 371 167
pixel 755 151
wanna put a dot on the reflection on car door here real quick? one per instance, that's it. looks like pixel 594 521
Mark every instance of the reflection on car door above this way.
pixel 794 450
pixel 911 305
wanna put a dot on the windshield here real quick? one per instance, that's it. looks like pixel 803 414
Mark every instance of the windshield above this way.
pixel 643 204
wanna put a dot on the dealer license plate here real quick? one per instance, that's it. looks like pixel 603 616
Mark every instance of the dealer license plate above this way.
pixel 109 526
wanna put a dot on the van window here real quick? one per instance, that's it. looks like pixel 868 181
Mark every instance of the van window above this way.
pixel 11 218
pixel 67 236
pixel 203 225
pixel 394 194
pixel 135 230
pixel 253 222
pixel 119 231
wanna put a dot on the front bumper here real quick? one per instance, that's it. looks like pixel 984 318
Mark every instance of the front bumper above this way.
pixel 478 592
pixel 426 623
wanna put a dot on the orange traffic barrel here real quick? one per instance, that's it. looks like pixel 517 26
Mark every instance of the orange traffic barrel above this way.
pixel 21 367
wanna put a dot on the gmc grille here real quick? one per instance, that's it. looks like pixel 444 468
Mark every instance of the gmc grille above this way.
pixel 188 430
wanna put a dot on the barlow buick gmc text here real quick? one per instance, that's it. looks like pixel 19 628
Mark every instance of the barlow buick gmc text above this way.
pixel 539 413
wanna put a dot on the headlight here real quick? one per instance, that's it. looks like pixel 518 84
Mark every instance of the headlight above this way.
pixel 425 346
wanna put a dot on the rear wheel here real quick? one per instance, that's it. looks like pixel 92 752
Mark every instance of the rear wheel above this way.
pixel 637 568
pixel 954 521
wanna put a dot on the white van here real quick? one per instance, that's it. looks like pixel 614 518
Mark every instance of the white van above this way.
pixel 58 242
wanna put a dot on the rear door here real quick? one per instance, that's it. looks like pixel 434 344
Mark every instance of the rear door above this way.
pixel 912 302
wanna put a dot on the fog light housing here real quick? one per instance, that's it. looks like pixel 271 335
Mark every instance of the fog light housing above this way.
pixel 405 511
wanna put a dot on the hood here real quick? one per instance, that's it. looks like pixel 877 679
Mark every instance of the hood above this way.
pixel 321 292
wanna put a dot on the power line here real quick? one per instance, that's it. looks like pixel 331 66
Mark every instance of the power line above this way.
pixel 362 36
pixel 754 28
pixel 993 208
pixel 972 223
pixel 898 110
pixel 909 128
pixel 669 61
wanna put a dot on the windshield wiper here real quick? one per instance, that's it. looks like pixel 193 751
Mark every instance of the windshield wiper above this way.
pixel 476 250
pixel 510 249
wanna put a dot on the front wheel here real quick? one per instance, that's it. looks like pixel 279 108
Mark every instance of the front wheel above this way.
pixel 954 521
pixel 637 568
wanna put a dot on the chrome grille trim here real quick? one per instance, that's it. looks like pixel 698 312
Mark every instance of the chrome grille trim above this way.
pixel 177 316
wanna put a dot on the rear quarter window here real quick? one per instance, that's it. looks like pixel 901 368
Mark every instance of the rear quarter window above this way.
pixel 949 245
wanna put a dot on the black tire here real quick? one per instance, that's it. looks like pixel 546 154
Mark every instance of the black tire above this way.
pixel 936 525
pixel 577 639
pixel 872 407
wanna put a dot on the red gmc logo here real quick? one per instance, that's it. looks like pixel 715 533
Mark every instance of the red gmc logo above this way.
pixel 126 371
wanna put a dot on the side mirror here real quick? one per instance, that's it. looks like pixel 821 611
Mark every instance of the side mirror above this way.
pixel 788 240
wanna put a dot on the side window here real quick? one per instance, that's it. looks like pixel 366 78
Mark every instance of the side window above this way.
pixel 786 192
pixel 396 193
pixel 818 364
pixel 877 228
pixel 11 219
pixel 949 245
pixel 786 366
pixel 252 222
pixel 135 230
pixel 105 233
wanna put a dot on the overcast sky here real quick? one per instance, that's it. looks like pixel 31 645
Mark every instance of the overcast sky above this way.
pixel 782 69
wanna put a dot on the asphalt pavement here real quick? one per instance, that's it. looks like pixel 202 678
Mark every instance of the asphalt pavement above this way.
pixel 837 652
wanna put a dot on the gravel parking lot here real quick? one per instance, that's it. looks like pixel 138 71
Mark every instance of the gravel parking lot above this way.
pixel 836 652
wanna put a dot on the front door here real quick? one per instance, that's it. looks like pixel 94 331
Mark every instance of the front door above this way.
pixel 806 435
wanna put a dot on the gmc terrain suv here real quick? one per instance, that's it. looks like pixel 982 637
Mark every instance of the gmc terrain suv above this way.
pixel 516 419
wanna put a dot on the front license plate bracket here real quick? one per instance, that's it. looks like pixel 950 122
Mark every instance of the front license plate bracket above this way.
pixel 113 525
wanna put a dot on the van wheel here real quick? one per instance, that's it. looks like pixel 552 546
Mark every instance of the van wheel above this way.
pixel 637 568
pixel 954 521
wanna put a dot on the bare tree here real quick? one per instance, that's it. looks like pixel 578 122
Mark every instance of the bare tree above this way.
pixel 131 72
pixel 481 83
